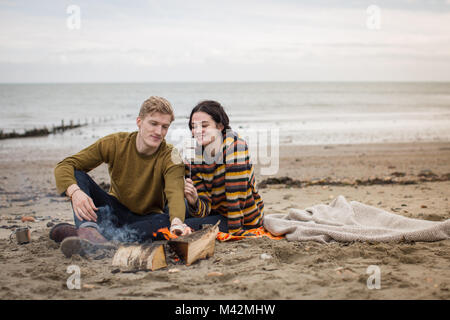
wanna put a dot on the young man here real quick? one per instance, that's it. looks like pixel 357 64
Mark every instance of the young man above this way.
pixel 143 176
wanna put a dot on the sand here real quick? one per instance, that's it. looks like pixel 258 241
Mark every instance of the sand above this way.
pixel 292 270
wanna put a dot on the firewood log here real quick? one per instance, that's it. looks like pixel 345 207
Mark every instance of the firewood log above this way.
pixel 140 257
pixel 197 245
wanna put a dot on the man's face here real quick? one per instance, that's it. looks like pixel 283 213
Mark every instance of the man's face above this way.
pixel 153 128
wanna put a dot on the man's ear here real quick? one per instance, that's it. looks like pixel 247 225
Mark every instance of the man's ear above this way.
pixel 220 126
pixel 138 122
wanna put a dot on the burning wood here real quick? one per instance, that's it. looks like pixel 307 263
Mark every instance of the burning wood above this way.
pixel 197 245
pixel 140 257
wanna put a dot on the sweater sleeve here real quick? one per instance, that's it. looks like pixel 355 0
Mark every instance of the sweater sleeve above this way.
pixel 174 186
pixel 85 160
pixel 237 174
pixel 203 206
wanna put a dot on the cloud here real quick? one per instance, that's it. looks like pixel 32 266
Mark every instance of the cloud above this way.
pixel 234 40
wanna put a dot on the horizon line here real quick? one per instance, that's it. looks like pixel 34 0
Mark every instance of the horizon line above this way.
pixel 232 81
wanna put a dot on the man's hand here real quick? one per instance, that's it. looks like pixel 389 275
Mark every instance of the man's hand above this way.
pixel 82 204
pixel 190 192
pixel 179 228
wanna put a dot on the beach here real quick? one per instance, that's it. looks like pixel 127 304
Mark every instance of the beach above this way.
pixel 293 270
pixel 344 108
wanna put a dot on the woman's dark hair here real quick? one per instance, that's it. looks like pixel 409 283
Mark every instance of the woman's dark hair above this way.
pixel 215 110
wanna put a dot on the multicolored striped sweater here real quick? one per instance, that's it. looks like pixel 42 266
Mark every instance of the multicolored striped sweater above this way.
pixel 226 185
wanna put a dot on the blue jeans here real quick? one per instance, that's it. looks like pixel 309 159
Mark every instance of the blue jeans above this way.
pixel 117 222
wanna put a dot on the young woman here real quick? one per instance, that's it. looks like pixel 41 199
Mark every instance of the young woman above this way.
pixel 222 186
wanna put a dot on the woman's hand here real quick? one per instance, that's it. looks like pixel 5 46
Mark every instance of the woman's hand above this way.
pixel 190 192
pixel 82 204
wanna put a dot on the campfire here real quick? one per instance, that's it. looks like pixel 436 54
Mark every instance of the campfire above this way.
pixel 189 248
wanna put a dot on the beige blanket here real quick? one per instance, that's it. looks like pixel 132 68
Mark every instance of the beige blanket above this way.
pixel 345 221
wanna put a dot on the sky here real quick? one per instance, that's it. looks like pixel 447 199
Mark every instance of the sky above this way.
pixel 202 41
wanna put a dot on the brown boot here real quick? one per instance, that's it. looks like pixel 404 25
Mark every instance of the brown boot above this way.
pixel 88 241
pixel 92 235
pixel 61 231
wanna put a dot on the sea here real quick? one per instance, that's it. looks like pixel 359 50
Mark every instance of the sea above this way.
pixel 288 113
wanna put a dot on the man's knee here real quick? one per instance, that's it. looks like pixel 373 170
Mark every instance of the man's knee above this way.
pixel 84 181
pixel 80 175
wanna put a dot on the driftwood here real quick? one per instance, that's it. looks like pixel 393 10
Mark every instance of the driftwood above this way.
pixel 140 257
pixel 197 245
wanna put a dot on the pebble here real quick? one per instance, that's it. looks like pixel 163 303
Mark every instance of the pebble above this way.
pixel 50 224
pixel 215 274
pixel 265 256
pixel 89 286
pixel 174 270
pixel 28 219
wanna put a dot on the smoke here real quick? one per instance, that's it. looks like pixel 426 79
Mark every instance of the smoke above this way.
pixel 110 229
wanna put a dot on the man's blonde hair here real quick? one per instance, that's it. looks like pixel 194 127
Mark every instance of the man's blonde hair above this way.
pixel 156 104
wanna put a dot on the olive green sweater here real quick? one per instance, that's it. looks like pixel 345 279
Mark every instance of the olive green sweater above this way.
pixel 141 183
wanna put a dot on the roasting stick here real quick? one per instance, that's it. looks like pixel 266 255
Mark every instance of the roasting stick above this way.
pixel 189 153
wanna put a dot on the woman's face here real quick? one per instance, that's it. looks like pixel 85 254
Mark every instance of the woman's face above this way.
pixel 204 129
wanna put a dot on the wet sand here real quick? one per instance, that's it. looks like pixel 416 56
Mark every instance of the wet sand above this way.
pixel 295 270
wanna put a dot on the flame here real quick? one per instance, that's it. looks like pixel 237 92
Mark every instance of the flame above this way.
pixel 166 234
